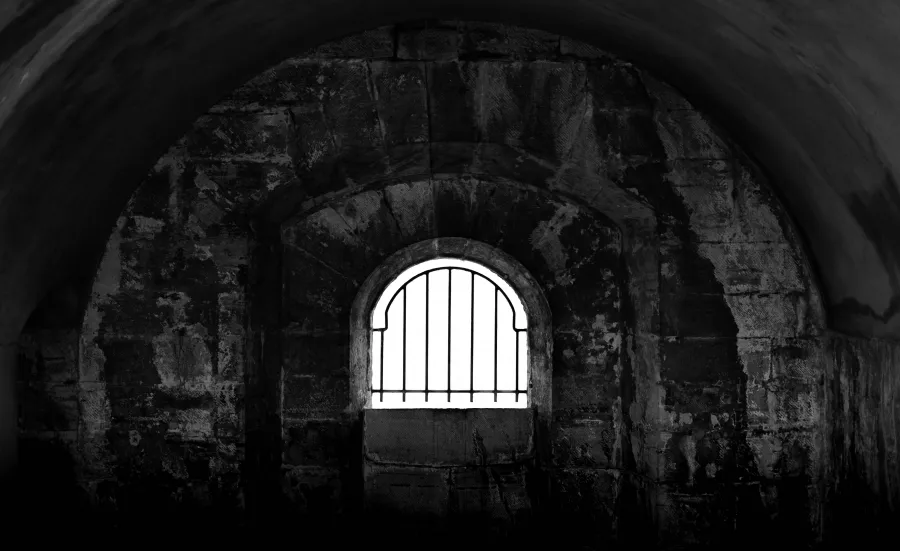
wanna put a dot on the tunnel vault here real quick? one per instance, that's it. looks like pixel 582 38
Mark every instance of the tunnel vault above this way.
pixel 705 370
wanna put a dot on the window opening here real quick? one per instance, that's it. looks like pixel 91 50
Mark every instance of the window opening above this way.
pixel 449 333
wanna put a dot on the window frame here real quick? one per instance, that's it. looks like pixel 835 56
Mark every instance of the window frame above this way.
pixel 539 336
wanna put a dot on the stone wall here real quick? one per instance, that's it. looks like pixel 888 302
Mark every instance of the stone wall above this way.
pixel 210 372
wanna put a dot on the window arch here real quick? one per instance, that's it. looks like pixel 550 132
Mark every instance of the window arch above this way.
pixel 522 331
pixel 449 333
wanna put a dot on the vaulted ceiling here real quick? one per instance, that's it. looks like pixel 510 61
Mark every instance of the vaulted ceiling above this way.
pixel 93 91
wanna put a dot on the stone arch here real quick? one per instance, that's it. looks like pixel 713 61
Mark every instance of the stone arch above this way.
pixel 226 211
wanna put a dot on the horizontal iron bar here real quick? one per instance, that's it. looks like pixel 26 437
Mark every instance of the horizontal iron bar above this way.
pixel 377 391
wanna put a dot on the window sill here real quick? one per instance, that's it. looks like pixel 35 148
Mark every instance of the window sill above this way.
pixel 448 437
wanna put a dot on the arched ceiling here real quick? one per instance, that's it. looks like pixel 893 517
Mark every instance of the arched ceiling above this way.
pixel 93 91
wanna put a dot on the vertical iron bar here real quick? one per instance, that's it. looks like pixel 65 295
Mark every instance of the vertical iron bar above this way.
pixel 449 326
pixel 472 345
pixel 517 358
pixel 381 363
pixel 404 342
pixel 496 352
pixel 427 301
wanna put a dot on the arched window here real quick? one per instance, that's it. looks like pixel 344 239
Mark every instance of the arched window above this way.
pixel 449 333
pixel 416 317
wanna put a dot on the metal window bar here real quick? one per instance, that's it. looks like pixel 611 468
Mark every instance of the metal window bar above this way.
pixel 471 391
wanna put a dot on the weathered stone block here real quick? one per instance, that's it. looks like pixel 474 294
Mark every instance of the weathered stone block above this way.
pixel 585 443
pixel 314 490
pixel 718 398
pixel 494 160
pixel 48 407
pixel 493 39
pixel 48 356
pixel 493 492
pixel 591 395
pixel 316 442
pixel 315 397
pixel 585 352
pixel 129 362
pixel 408 160
pixel 785 454
pixel 694 519
pixel 402 101
pixel 584 495
pixel 139 401
pixel 372 224
pixel 452 102
pixel 711 211
pixel 699 361
pixel 783 404
pixel 315 355
pixel 448 437
pixel 754 267
pixel 774 315
pixel 539 107
pixel 695 315
pixel 799 359
pixel 432 43
pixel 412 206
pixel 416 491
pixel 317 300
pixel 454 209
pixel 250 137
pixel 372 44
pixel 635 134
pixel 614 85
pixel 571 47
pixel 756 357
pixel 685 134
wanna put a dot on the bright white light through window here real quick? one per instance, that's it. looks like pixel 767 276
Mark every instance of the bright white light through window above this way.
pixel 449 333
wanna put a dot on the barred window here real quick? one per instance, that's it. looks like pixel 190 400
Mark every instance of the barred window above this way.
pixel 449 333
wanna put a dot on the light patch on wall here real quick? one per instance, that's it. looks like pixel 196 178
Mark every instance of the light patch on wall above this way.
pixel 182 359
pixel 545 239
pixel 359 210
pixel 191 424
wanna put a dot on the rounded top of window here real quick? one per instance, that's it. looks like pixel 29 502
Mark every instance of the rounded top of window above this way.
pixel 501 268
pixel 442 263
